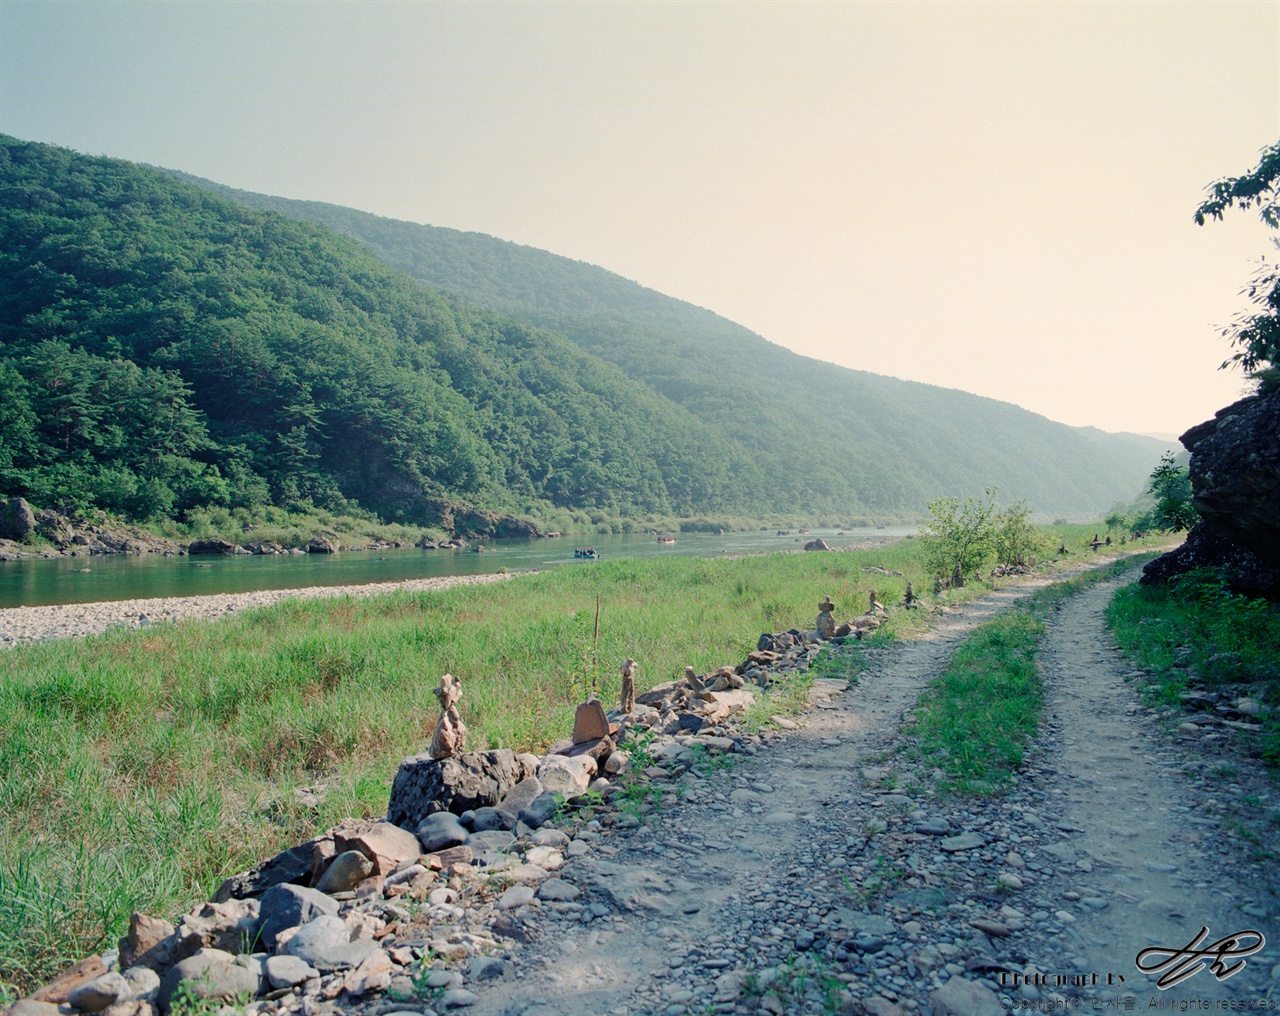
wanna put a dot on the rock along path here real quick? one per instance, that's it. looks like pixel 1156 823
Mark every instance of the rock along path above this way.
pixel 823 874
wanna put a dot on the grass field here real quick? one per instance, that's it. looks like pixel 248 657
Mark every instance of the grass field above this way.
pixel 138 769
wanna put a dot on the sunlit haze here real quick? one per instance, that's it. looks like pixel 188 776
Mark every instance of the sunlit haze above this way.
pixel 992 197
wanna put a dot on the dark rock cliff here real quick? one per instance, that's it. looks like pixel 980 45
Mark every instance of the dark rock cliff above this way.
pixel 1235 480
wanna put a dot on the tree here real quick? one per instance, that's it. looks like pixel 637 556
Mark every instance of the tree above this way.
pixel 1016 540
pixel 1171 485
pixel 959 535
pixel 1256 334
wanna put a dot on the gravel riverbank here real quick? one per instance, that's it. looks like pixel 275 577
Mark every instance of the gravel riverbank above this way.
pixel 35 624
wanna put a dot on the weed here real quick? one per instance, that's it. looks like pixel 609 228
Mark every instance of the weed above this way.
pixel 706 763
pixel 187 1001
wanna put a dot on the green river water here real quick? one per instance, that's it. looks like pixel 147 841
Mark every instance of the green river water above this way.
pixel 126 577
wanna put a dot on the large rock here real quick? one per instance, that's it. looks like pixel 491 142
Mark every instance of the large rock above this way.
pixel 212 974
pixel 17 520
pixel 322 543
pixel 383 843
pixel 567 776
pixel 475 779
pixel 212 545
pixel 1235 482
pixel 287 906
pixel 149 943
pixel 1235 474
pixel 292 865
pixel 227 926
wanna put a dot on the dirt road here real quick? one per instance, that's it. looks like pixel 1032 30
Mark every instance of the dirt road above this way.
pixel 823 874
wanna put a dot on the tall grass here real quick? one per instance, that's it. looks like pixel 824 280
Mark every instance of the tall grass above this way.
pixel 139 768
pixel 1195 629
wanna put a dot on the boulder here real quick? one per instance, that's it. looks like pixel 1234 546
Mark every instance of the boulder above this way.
pixel 1235 483
pixel 99 993
pixel 441 830
pixel 475 779
pixel 287 906
pixel 149 943
pixel 226 926
pixel 17 520
pixel 322 543
pixel 521 795
pixel 292 865
pixel 383 843
pixel 212 545
pixel 1235 474
pixel 567 776
pixel 818 544
pixel 590 722
pixel 347 871
pixel 212 974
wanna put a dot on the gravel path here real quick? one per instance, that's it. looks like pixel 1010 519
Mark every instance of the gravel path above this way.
pixel 821 874
pixel 34 624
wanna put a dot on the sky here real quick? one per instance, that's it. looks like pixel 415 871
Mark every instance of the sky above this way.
pixel 986 196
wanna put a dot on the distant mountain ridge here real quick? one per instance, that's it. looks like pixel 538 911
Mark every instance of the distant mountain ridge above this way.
pixel 820 432
pixel 163 347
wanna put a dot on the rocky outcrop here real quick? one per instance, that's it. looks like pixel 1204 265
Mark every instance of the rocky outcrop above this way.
pixel 322 543
pixel 1235 474
pixel 477 779
pixel 1235 480
pixel 17 520
pixel 212 545
pixel 472 523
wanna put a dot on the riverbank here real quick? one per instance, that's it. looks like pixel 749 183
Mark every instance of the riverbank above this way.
pixel 70 620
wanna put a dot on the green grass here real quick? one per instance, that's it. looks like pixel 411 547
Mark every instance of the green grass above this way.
pixel 975 719
pixel 138 769
pixel 1196 631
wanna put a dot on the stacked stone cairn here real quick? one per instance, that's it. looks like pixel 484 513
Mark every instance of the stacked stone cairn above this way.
pixel 434 892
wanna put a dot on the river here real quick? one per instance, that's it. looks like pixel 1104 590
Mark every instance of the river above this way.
pixel 43 582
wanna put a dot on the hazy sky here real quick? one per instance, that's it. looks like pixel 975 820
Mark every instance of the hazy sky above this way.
pixel 987 196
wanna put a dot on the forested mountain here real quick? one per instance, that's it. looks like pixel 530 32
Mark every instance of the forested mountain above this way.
pixel 823 435
pixel 162 347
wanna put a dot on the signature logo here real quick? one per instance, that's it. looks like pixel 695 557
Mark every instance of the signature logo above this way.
pixel 1179 964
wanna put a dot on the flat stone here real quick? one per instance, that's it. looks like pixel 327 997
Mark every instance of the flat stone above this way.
pixel 557 889
pixel 547 858
pixel 993 928
pixel 457 998
pixel 289 971
pixel 965 841
pixel 485 968
pixel 515 897
pixel 933 827
pixel 589 722
pixel 315 938
pixel 99 993
pixel 521 795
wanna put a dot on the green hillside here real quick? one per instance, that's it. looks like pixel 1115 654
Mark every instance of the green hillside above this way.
pixel 161 348
pixel 822 434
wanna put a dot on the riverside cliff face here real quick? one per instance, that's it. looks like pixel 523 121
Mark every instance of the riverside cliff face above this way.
pixel 1235 480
